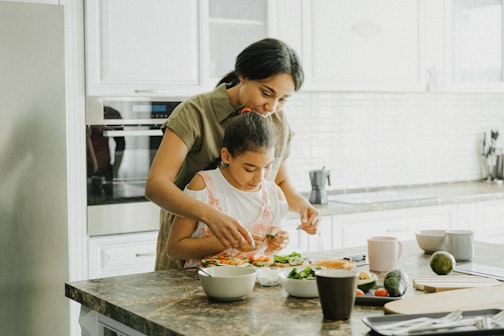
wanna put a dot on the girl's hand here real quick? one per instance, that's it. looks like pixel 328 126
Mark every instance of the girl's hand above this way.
pixel 279 242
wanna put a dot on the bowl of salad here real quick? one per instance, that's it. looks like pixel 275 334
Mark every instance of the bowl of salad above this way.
pixel 300 282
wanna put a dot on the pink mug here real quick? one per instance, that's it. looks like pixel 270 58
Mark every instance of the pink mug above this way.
pixel 383 253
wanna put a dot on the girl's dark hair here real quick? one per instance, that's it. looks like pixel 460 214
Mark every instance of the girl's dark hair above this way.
pixel 263 59
pixel 249 132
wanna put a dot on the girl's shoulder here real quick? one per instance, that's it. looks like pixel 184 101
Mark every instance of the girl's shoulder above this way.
pixel 274 190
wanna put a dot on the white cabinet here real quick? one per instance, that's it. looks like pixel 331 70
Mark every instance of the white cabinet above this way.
pixel 233 25
pixel 144 47
pixel 476 61
pixel 122 254
pixel 171 48
pixel 402 223
pixel 364 45
pixel 300 241
pixel 489 225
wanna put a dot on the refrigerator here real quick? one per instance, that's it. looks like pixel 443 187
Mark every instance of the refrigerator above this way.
pixel 34 259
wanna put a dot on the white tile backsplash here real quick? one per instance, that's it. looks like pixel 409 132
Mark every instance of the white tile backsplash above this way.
pixel 381 139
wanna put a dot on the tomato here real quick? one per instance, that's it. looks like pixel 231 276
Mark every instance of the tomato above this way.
pixel 359 292
pixel 381 292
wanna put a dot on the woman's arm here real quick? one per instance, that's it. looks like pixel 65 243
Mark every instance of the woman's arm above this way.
pixel 161 190
pixel 309 216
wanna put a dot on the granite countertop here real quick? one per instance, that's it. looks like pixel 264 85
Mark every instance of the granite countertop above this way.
pixel 429 195
pixel 172 302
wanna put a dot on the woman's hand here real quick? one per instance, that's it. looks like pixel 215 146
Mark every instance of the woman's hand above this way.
pixel 229 231
pixel 309 218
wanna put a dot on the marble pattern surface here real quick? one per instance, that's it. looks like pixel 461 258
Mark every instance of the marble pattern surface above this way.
pixel 173 303
pixel 442 194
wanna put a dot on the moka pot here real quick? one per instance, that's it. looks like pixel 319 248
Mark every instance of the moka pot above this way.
pixel 318 194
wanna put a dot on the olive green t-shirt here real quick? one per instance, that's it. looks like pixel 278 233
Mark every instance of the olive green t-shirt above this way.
pixel 200 122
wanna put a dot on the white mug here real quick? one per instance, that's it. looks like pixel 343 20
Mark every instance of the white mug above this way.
pixel 460 243
pixel 383 253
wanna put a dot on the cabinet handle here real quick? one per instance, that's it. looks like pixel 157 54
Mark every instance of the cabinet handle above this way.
pixel 146 254
pixel 397 230
pixel 152 91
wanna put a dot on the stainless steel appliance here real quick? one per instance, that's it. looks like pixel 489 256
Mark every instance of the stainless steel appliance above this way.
pixel 318 194
pixel 123 136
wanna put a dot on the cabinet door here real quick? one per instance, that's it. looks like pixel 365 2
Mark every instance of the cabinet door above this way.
pixel 122 254
pixel 403 223
pixel 300 241
pixel 364 44
pixel 476 55
pixel 233 25
pixel 489 226
pixel 143 47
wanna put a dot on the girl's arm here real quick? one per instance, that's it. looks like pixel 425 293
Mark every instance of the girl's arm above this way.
pixel 161 190
pixel 308 214
pixel 181 245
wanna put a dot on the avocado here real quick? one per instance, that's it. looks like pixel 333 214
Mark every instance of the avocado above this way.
pixel 396 282
pixel 442 262
pixel 366 281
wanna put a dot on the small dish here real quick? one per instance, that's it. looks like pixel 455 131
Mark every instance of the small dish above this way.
pixel 268 276
pixel 431 240
pixel 370 299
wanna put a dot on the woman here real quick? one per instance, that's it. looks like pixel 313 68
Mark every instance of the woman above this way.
pixel 265 76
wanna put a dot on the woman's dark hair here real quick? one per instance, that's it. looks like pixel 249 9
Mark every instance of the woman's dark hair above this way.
pixel 249 132
pixel 263 59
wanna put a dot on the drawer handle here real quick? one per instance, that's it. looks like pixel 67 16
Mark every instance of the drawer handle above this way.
pixel 147 254
pixel 397 230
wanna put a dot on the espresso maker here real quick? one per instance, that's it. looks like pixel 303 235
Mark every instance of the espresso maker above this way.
pixel 318 178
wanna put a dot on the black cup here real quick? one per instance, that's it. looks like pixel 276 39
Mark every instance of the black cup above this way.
pixel 336 289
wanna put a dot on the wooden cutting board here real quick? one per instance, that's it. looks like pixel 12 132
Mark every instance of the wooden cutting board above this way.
pixel 464 299
pixel 441 283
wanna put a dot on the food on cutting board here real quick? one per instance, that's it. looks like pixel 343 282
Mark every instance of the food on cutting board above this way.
pixel 224 260
pixel 396 282
pixel 260 261
pixel 293 259
pixel 442 262
pixel 335 263
pixel 366 281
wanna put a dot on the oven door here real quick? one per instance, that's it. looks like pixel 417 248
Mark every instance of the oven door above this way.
pixel 118 161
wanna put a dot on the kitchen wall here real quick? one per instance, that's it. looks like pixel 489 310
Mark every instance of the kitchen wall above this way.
pixel 390 139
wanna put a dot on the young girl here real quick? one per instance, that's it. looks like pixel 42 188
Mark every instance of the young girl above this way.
pixel 239 188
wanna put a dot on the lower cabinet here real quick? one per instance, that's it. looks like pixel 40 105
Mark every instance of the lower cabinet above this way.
pixel 402 223
pixel 122 254
pixel 489 223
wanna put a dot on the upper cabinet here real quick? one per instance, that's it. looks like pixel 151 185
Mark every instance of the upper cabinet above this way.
pixel 183 47
pixel 476 52
pixel 167 48
pixel 364 44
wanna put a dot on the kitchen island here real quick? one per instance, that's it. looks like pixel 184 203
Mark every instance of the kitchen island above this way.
pixel 172 302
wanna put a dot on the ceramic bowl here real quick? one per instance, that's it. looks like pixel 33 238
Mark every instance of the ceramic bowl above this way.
pixel 228 283
pixel 303 288
pixel 431 240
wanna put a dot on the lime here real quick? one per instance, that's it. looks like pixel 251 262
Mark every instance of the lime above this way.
pixel 442 262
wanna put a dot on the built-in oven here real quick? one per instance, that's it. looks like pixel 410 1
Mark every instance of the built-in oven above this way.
pixel 122 137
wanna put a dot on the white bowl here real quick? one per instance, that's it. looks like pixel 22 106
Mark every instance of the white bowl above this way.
pixel 228 283
pixel 302 288
pixel 431 240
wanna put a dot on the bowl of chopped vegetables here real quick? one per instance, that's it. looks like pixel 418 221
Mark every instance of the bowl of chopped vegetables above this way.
pixel 300 282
